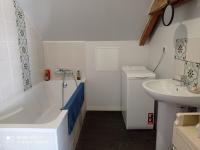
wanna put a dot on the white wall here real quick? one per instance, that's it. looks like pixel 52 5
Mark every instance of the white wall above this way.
pixel 88 20
pixel 103 89
pixel 64 54
pixel 36 53
pixel 187 11
pixel 166 36
pixel 11 82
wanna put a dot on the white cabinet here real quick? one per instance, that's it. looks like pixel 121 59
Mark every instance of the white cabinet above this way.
pixel 136 104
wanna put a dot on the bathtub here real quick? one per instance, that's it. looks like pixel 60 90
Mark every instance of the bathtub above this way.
pixel 34 121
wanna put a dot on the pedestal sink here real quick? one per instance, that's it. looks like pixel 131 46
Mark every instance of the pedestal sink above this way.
pixel 169 95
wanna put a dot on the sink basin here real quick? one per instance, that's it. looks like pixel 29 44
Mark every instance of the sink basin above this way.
pixel 167 90
pixel 169 93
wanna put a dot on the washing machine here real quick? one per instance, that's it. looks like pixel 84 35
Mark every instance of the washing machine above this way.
pixel 137 106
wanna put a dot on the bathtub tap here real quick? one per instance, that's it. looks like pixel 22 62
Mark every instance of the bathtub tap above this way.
pixel 65 73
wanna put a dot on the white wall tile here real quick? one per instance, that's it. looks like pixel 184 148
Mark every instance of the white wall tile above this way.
pixel 5 75
pixel 14 51
pixel 11 82
pixel 70 55
pixel 1 97
pixel 16 69
pixel 1 10
pixel 192 27
pixel 11 31
pixel 2 31
pixel 193 50
pixel 163 38
pixel 17 85
pixel 3 51
pixel 107 58
pixel 179 69
pixel 35 51
pixel 9 10
pixel 166 37
pixel 7 90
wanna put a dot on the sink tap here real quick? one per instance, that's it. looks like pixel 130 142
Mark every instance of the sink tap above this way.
pixel 183 80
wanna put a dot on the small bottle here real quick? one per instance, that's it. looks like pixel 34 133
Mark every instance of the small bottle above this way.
pixel 78 75
pixel 47 74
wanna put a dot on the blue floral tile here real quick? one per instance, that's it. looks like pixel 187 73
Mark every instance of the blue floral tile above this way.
pixel 180 49
pixel 23 46
pixel 191 72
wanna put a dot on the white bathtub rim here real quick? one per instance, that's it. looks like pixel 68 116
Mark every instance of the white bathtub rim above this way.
pixel 23 94
pixel 18 98
pixel 54 124
pixel 51 125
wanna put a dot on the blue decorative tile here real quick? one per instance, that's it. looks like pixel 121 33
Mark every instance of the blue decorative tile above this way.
pixel 23 46
pixel 181 48
pixel 191 72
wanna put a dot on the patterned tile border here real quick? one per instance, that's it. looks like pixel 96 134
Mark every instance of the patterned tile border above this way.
pixel 23 46
pixel 181 48
pixel 191 69
pixel 192 73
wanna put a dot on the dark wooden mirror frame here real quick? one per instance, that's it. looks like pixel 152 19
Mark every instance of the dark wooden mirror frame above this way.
pixel 171 17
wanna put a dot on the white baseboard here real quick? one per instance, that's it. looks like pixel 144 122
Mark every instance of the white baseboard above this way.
pixel 101 108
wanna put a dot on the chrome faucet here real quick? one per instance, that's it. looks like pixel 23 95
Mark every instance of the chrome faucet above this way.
pixel 65 73
pixel 183 80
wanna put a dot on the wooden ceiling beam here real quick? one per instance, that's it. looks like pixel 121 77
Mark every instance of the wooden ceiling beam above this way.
pixel 149 28
pixel 157 6
pixel 160 6
pixel 156 10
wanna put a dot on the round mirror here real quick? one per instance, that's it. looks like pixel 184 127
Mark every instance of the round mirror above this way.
pixel 168 15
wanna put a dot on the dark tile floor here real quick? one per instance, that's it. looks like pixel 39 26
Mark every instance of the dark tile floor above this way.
pixel 106 131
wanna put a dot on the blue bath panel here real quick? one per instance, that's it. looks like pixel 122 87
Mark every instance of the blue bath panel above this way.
pixel 74 106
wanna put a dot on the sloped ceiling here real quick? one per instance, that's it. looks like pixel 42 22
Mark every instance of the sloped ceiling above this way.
pixel 88 20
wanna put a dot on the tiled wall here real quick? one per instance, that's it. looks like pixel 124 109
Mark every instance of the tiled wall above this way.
pixel 23 45
pixel 11 82
pixel 185 32
pixel 187 60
